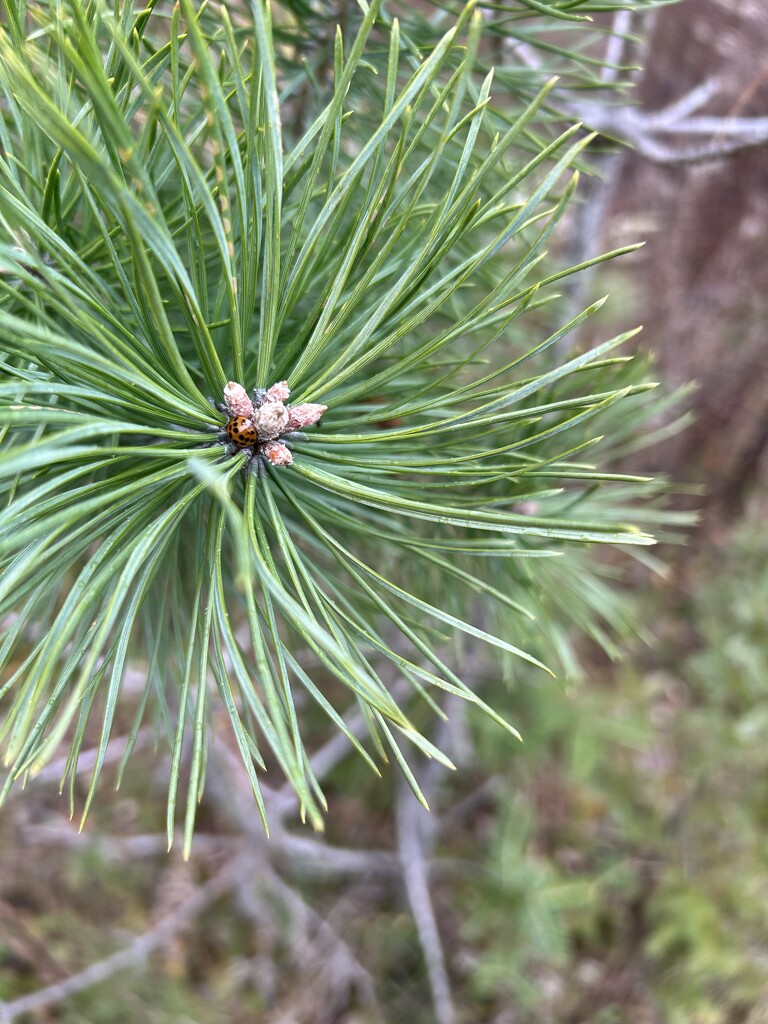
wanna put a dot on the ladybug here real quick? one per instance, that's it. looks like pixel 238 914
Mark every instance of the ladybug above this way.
pixel 240 432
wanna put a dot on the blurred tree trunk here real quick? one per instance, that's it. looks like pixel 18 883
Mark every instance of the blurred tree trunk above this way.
pixel 704 272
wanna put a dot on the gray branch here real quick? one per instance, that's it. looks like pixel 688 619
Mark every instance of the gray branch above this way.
pixel 348 964
pixel 415 875
pixel 641 129
pixel 616 47
pixel 725 135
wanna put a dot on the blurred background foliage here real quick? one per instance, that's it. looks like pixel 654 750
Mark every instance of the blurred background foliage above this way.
pixel 613 868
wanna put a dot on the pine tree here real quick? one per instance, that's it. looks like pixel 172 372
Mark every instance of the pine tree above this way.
pixel 215 222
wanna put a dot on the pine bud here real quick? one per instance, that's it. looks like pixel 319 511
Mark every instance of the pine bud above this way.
pixel 237 401
pixel 271 420
pixel 300 416
pixel 278 392
pixel 276 453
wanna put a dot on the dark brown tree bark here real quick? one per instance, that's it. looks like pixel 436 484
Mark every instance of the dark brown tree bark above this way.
pixel 704 271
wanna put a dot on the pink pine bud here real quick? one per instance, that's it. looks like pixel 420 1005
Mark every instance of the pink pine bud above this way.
pixel 271 420
pixel 276 453
pixel 300 416
pixel 237 401
pixel 278 392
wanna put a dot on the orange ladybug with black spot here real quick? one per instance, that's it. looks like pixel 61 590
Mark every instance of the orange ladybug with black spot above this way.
pixel 241 432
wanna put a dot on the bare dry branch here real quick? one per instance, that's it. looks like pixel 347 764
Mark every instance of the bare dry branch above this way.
pixel 727 135
pixel 415 876
pixel 616 47
pixel 640 128
pixel 343 967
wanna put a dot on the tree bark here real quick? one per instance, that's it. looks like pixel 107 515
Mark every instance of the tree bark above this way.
pixel 704 272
